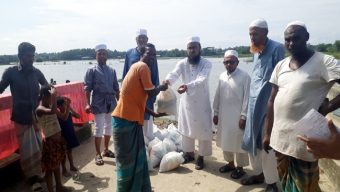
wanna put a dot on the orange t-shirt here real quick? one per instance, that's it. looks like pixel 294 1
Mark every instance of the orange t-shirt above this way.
pixel 133 95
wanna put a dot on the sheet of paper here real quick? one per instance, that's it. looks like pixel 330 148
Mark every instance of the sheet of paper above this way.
pixel 313 124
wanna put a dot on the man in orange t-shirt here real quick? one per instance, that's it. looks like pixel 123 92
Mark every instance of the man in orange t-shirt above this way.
pixel 127 122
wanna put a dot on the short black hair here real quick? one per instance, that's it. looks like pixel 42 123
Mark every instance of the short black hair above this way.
pixel 149 45
pixel 60 101
pixel 25 47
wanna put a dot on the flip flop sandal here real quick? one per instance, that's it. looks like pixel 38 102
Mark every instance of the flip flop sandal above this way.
pixel 226 168
pixel 252 180
pixel 99 160
pixel 36 187
pixel 237 173
pixel 108 153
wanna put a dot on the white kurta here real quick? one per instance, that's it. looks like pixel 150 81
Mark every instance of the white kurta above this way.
pixel 194 113
pixel 230 103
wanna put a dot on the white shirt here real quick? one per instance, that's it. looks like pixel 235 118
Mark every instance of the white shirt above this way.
pixel 299 91
pixel 194 113
pixel 230 105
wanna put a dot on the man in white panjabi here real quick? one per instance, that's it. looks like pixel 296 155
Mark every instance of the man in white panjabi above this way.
pixel 194 115
pixel 230 112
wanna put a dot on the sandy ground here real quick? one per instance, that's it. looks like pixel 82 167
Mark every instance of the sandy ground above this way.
pixel 93 178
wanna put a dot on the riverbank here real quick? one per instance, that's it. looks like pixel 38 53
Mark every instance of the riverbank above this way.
pixel 186 178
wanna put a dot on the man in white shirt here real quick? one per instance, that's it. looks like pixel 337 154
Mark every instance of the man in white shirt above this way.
pixel 300 83
pixel 230 112
pixel 194 116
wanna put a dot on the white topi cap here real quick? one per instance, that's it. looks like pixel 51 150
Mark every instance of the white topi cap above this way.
pixel 193 39
pixel 231 53
pixel 298 23
pixel 261 23
pixel 99 47
pixel 141 32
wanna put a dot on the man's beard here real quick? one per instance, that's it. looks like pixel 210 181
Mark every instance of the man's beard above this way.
pixel 256 49
pixel 194 60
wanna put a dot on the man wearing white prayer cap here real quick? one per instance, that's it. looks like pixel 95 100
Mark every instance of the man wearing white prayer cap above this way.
pixel 230 114
pixel 101 81
pixel 300 83
pixel 133 56
pixel 194 117
pixel 267 53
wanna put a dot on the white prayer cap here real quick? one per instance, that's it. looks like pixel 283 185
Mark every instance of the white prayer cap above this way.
pixel 261 23
pixel 193 39
pixel 141 32
pixel 99 47
pixel 231 53
pixel 298 23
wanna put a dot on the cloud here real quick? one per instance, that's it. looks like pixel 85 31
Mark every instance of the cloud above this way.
pixel 56 25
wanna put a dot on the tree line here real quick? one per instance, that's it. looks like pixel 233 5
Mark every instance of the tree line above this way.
pixel 88 54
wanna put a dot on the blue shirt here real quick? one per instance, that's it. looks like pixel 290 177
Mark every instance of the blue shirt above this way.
pixel 132 56
pixel 24 87
pixel 101 80
pixel 260 89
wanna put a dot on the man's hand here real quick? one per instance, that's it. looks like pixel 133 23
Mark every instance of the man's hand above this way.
pixel 159 114
pixel 163 87
pixel 215 120
pixel 242 124
pixel 265 143
pixel 324 148
pixel 181 89
pixel 166 82
pixel 88 109
pixel 323 109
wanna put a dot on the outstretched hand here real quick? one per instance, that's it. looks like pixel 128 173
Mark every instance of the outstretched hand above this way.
pixel 181 89
pixel 160 114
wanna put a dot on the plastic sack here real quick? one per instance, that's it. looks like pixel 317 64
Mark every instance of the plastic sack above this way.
pixel 170 146
pixel 160 134
pixel 157 152
pixel 174 135
pixel 152 143
pixel 166 102
pixel 148 160
pixel 171 161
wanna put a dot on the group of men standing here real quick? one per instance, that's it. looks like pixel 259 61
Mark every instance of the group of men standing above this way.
pixel 281 91
pixel 253 113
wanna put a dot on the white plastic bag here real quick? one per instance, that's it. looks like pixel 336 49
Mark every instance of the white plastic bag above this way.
pixel 152 143
pixel 174 134
pixel 157 152
pixel 148 160
pixel 160 134
pixel 171 161
pixel 166 102
pixel 170 146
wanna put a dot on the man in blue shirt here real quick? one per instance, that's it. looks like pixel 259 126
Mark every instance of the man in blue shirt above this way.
pixel 267 53
pixel 132 56
pixel 101 81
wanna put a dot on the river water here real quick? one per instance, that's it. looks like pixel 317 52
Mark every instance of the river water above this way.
pixel 75 70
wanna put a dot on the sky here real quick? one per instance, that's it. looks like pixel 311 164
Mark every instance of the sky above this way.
pixel 58 25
